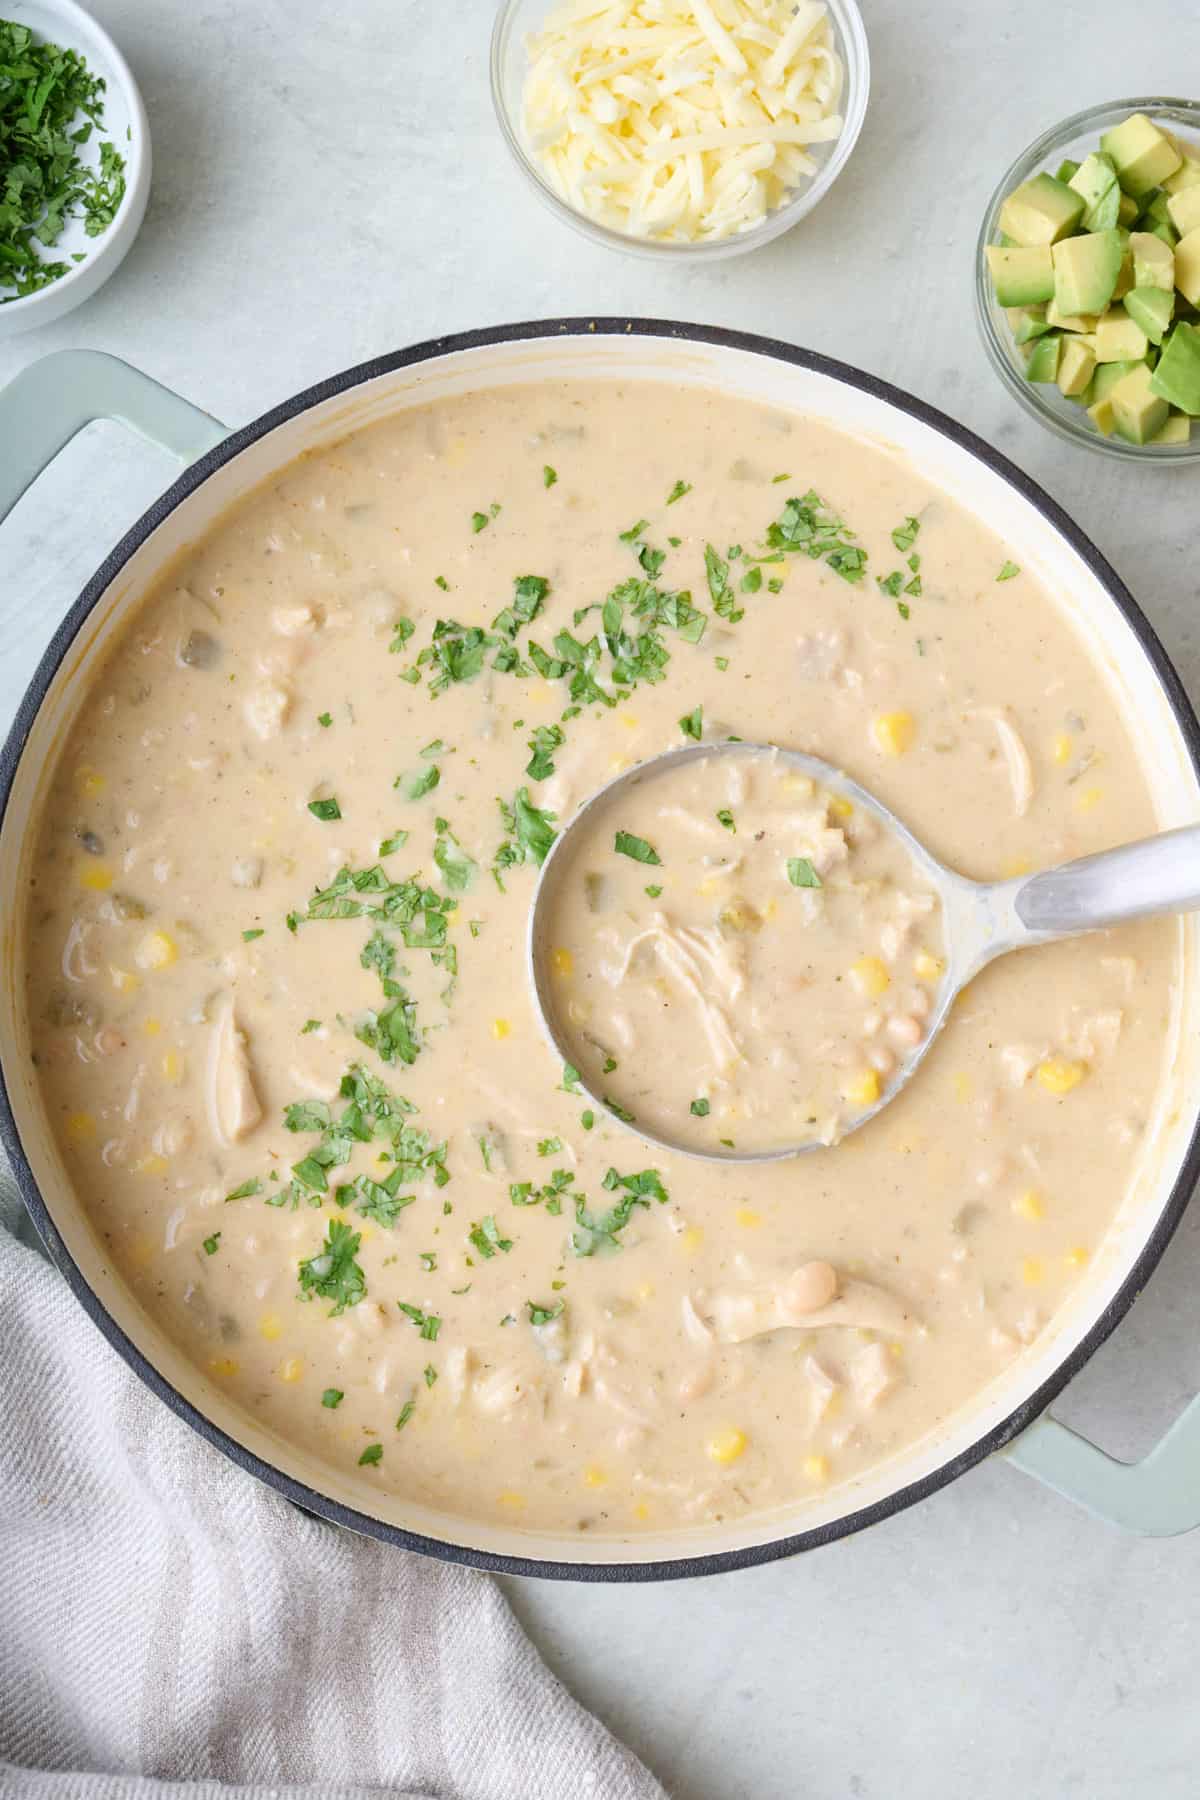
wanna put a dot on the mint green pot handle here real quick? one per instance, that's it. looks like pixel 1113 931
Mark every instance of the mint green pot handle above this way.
pixel 1156 1497
pixel 43 407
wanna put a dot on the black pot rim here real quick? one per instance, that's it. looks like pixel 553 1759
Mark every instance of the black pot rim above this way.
pixel 718 1561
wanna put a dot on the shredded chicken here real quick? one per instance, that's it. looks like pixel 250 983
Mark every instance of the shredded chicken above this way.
pixel 233 1104
pixel 708 967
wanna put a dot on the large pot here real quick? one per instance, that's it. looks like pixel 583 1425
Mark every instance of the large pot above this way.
pixel 43 408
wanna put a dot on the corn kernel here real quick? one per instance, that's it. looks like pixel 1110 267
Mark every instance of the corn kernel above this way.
pixel 725 1447
pixel 564 962
pixel 927 967
pixel 152 1026
pixel 816 1468
pixel 893 733
pixel 156 950
pixel 1058 1076
pixel 644 1291
pixel 1076 1258
pixel 501 1029
pixel 895 1349
pixel 862 1089
pixel 594 1476
pixel 172 1066
pixel 870 977
pixel 630 721
pixel 1014 866
pixel 710 885
pixel 510 1498
pixel 1089 799
pixel 124 980
pixel 270 1326
pixel 747 1218
pixel 93 874
pixel 1033 1271
pixel 291 1369
pixel 796 784
pixel 1029 1205
pixel 150 1164
pixel 641 1511
pixel 692 1238
pixel 840 807
pixel 81 1127
pixel 1062 747
pixel 225 1366
pixel 90 781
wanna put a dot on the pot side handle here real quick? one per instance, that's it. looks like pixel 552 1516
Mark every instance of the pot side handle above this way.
pixel 44 406
pixel 1156 1497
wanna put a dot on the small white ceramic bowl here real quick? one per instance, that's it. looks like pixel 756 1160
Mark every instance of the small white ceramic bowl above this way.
pixel 63 22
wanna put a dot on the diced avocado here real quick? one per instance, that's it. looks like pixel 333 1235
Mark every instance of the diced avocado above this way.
pixel 1188 173
pixel 1040 211
pixel 1154 208
pixel 1096 180
pixel 1153 261
pixel 1065 169
pixel 1043 358
pixel 1151 308
pixel 1070 321
pixel 1021 277
pixel 1177 376
pixel 1127 210
pixel 1027 323
pixel 1086 270
pixel 1184 210
pixel 1177 430
pixel 1142 155
pixel 1100 412
pixel 1137 410
pixel 1105 380
pixel 1118 339
pixel 1187 267
pixel 1124 276
pixel 1076 363
pixel 1167 234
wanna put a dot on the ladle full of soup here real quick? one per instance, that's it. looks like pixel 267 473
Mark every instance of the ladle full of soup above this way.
pixel 713 938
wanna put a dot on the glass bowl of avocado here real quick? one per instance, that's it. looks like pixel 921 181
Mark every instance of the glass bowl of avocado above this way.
pixel 1087 279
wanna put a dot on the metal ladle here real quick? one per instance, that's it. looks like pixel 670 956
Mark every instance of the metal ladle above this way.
pixel 980 920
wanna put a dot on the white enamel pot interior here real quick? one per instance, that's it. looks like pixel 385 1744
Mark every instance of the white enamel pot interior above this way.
pixel 1036 533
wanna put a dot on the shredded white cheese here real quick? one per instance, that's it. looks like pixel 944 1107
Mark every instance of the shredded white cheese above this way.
pixel 677 121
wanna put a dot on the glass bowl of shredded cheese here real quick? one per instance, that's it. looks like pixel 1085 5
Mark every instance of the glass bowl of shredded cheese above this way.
pixel 690 129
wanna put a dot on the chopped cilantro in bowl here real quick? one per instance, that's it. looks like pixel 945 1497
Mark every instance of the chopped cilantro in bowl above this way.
pixel 74 164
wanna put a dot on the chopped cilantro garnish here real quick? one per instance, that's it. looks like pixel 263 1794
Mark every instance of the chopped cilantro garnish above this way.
pixel 430 1374
pixel 210 1244
pixel 487 1238
pixel 678 491
pixel 429 1261
pixel 325 719
pixel 441 582
pixel 627 844
pixel 420 782
pixel 1008 570
pixel 719 589
pixel 751 581
pixel 332 1398
pixel 545 1315
pixel 890 584
pixel 479 522
pixel 529 591
pixel 550 1146
pixel 635 531
pixel 776 479
pixel 332 1272
pixel 692 724
pixel 808 527
pixel 653 889
pixel 310 1025
pixel 391 844
pixel 248 1188
pixel 905 536
pixel 700 1109
pixel 587 1119
pixel 428 1324
pixel 801 873
pixel 598 1231
pixel 617 1110
pixel 531 834
pixel 405 1414
pixel 725 818
pixel 545 741
pixel 549 475
pixel 452 859
pixel 248 937
pixel 722 663
pixel 371 1455
pixel 570 1080
pixel 325 809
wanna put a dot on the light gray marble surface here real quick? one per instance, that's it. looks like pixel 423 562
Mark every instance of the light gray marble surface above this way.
pixel 329 185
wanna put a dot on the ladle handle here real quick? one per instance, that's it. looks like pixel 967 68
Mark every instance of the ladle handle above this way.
pixel 1158 875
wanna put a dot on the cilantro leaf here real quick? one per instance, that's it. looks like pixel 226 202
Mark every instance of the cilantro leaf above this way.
pixel 333 1273
pixel 626 844
pixel 801 873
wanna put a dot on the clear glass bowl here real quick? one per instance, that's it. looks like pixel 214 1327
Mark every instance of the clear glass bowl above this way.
pixel 1074 138
pixel 517 19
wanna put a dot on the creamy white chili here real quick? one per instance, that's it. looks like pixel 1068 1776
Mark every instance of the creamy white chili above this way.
pixel 276 977
pixel 719 938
